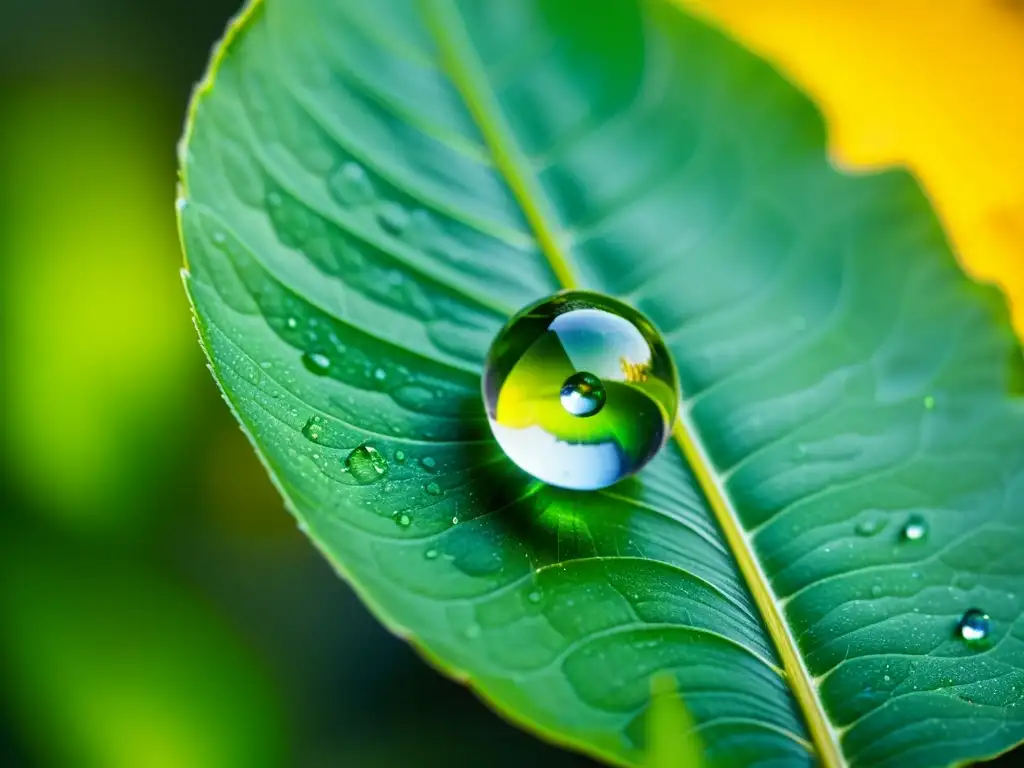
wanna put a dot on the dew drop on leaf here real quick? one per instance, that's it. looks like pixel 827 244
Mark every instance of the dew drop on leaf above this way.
pixel 393 218
pixel 974 626
pixel 366 465
pixel 534 597
pixel 400 457
pixel 431 554
pixel 428 462
pixel 402 520
pixel 350 184
pixel 433 489
pixel 316 363
pixel 312 429
pixel 291 322
pixel 915 529
pixel 580 390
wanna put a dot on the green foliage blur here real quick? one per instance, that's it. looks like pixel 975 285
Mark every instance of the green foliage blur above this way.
pixel 158 607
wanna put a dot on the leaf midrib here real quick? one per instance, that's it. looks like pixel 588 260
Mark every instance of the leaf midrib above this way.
pixel 463 66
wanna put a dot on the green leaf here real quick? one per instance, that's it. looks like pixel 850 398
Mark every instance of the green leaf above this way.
pixel 367 195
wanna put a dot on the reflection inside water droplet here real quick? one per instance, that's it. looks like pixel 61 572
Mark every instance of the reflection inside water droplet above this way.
pixel 366 465
pixel 580 390
pixel 582 394
pixel 974 626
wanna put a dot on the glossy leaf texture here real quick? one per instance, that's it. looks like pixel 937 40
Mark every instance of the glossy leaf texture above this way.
pixel 370 190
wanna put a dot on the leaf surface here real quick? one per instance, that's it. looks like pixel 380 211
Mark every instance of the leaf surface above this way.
pixel 368 195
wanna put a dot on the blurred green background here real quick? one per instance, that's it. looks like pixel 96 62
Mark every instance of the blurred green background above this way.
pixel 158 606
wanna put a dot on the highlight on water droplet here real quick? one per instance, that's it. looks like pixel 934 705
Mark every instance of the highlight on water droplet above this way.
pixel 291 322
pixel 915 529
pixel 402 520
pixel 580 390
pixel 974 627
pixel 582 394
pixel 316 363
pixel 366 465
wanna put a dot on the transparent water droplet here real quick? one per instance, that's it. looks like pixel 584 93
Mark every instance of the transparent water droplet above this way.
pixel 428 462
pixel 393 217
pixel 886 678
pixel 974 626
pixel 876 590
pixel 431 554
pixel 582 394
pixel 870 526
pixel 350 184
pixel 400 457
pixel 929 402
pixel 583 441
pixel 915 529
pixel 402 520
pixel 291 322
pixel 316 363
pixel 455 521
pixel 219 237
pixel 312 429
pixel 534 597
pixel 366 465
pixel 380 374
pixel 433 489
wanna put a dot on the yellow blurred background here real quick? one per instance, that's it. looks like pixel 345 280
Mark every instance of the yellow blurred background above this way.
pixel 158 606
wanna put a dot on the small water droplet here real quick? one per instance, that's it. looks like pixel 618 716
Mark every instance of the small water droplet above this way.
pixel 393 217
pixel 974 626
pixel 350 184
pixel 400 457
pixel 876 590
pixel 534 597
pixel 428 462
pixel 431 554
pixel 870 527
pixel 929 402
pixel 915 529
pixel 433 489
pixel 312 428
pixel 582 394
pixel 291 322
pixel 472 631
pixel 886 678
pixel 366 465
pixel 380 374
pixel 455 521
pixel 219 237
pixel 402 520
pixel 316 363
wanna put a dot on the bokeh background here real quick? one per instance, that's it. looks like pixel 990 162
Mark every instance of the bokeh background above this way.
pixel 158 607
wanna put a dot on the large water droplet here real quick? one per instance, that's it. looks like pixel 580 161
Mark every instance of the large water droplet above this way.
pixel 350 184
pixel 915 529
pixel 583 394
pixel 974 626
pixel 316 363
pixel 366 465
pixel 580 390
